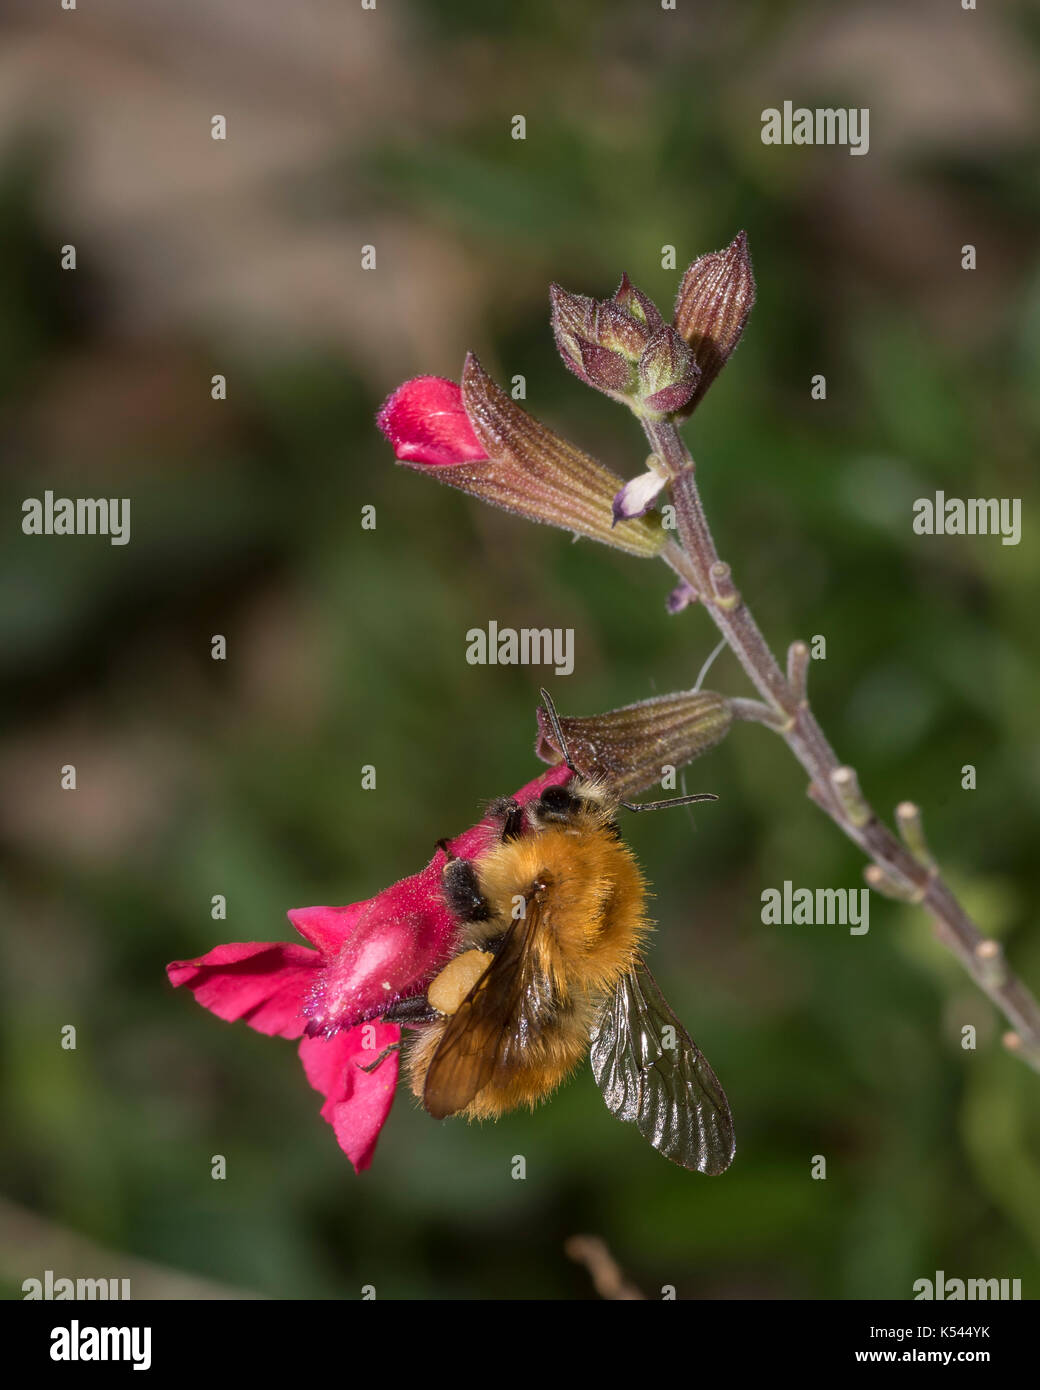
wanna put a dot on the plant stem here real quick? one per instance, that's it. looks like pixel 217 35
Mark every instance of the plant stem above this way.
pixel 900 869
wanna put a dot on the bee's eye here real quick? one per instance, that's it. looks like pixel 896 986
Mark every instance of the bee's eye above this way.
pixel 557 803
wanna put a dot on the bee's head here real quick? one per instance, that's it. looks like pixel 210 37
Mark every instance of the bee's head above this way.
pixel 555 806
pixel 576 800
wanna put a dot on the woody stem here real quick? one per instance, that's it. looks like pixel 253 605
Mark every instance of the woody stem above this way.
pixel 900 868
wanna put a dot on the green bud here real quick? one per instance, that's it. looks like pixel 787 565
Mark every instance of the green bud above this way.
pixel 668 375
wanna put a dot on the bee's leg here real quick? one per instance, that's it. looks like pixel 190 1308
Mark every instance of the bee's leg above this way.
pixel 512 815
pixel 381 1058
pixel 443 844
pixel 416 1009
pixel 462 893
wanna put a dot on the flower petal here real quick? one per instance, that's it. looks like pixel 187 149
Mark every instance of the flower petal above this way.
pixel 261 983
pixel 426 422
pixel 400 939
pixel 638 495
pixel 326 928
pixel 357 1102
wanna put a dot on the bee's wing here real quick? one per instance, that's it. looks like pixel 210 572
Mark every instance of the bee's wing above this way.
pixel 508 1005
pixel 670 1093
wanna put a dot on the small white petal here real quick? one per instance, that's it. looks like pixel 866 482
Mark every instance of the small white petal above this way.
pixel 638 496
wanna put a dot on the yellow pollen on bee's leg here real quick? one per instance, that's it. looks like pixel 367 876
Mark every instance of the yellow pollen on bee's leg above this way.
pixel 456 980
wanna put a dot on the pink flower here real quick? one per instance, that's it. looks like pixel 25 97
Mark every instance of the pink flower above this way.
pixel 362 958
pixel 426 422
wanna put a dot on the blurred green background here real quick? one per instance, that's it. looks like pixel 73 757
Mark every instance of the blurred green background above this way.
pixel 346 647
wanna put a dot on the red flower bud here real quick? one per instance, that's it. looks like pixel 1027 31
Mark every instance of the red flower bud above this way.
pixel 477 439
pixel 426 422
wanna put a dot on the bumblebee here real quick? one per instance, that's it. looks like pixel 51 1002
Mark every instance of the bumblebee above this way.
pixel 549 966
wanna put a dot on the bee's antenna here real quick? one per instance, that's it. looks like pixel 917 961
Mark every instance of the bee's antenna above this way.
pixel 672 801
pixel 554 720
